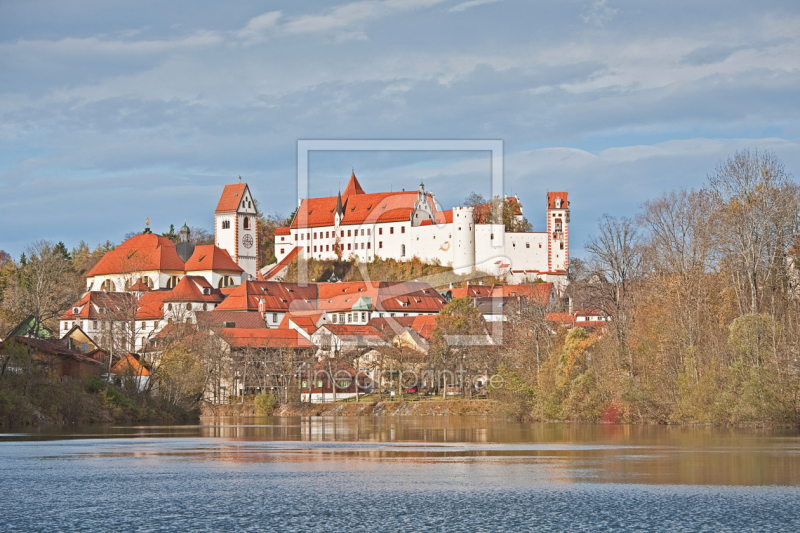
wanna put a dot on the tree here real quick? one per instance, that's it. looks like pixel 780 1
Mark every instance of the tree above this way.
pixel 616 258
pixel 757 205
pixel 506 211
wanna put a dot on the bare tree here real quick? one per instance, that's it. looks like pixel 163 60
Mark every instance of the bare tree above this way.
pixel 757 204
pixel 616 258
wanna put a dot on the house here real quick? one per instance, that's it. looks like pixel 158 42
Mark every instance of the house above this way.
pixel 49 354
pixel 131 370
pixel 31 327
pixel 78 340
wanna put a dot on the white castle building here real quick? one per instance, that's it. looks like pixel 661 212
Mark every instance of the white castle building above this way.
pixel 404 225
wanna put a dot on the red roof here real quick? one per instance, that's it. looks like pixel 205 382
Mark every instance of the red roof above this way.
pixel 473 291
pixel 278 296
pixel 442 217
pixel 358 209
pixel 139 286
pixel 283 263
pixel 151 305
pixel 350 330
pixel 551 198
pixel 129 365
pixel 353 187
pixel 99 305
pixel 231 198
pixel 283 231
pixel 265 338
pixel 539 292
pixel 242 319
pixel 211 257
pixel 194 289
pixel 424 324
pixel 143 252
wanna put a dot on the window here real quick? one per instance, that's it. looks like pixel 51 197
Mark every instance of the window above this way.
pixel 169 307
pixel 274 318
pixel 369 245
pixel 348 246
pixel 363 317
pixel 327 234
pixel 246 223
pixel 349 317
pixel 341 318
pixel 282 250
pixel 402 249
pixel 315 234
pixel 391 230
pixel 362 232
pixel 188 307
pixel 108 286
pixel 205 306
pixel 295 236
pixel 369 231
pixel 562 245
pixel 315 247
pixel 402 229
pixel 308 249
pixel 527 245
pixel 147 281
pixel 380 244
pixel 319 383
pixel 326 247
pixel 172 281
pixel 362 245
pixel 305 384
pixel 348 233
pixel 144 325
pixel 302 237
pixel 380 231
pixel 335 319
pixel 308 236
pixel 226 224
pixel 342 233
pixel 94 324
pixel 225 281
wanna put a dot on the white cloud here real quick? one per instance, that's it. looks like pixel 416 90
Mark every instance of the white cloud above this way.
pixel 256 27
pixel 348 14
pixel 598 14
pixel 472 3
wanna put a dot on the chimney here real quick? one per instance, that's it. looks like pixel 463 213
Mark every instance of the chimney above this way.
pixel 262 306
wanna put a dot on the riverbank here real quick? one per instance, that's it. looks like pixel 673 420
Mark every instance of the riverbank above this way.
pixel 397 408
pixel 48 401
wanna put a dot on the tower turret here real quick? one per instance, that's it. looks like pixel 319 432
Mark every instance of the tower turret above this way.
pixel 463 239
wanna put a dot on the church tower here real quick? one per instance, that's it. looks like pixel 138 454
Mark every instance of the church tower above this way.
pixel 557 231
pixel 235 222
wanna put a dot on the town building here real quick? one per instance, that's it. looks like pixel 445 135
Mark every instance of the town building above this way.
pixel 408 224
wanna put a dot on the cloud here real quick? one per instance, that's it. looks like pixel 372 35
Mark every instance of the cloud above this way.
pixel 472 3
pixel 254 31
pixel 348 14
pixel 599 13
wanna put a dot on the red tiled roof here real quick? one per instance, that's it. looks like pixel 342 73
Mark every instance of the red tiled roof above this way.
pixel 139 286
pixel 278 296
pixel 283 231
pixel 140 253
pixel 394 325
pixel 242 319
pixel 473 291
pixel 442 217
pixel 358 208
pixel 551 198
pixel 117 306
pixel 151 305
pixel 538 292
pixel 211 257
pixel 353 187
pixel 283 263
pixel 231 198
pixel 265 338
pixel 348 330
pixel 191 289
pixel 424 325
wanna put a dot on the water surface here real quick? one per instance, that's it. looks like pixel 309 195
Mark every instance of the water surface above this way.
pixel 399 474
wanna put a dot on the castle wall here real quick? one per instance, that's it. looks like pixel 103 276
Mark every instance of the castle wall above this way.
pixel 433 243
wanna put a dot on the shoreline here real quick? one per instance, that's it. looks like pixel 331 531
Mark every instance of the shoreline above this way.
pixel 396 408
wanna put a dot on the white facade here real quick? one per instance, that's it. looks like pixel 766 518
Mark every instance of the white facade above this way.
pixel 235 228
pixel 456 241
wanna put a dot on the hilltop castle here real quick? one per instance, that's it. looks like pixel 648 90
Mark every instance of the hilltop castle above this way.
pixel 403 225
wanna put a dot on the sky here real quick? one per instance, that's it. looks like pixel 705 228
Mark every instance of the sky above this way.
pixel 114 111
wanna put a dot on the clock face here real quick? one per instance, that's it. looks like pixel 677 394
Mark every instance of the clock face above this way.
pixel 247 241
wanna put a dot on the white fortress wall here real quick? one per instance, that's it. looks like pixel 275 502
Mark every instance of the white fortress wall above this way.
pixel 433 243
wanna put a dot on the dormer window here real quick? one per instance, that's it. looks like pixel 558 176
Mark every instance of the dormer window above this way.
pixel 557 203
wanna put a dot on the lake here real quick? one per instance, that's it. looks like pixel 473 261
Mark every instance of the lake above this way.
pixel 399 474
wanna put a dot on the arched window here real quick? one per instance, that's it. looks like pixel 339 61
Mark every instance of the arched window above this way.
pixel 172 281
pixel 225 281
pixel 246 224
pixel 226 224
pixel 188 307
pixel 108 286
pixel 402 249
pixel 147 281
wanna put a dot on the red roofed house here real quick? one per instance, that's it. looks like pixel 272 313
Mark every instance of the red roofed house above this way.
pixel 402 225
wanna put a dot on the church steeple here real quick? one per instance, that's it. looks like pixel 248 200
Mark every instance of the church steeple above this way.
pixel 339 209
pixel 353 186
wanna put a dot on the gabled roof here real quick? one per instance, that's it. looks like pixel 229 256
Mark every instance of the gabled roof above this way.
pixel 353 187
pixel 551 199
pixel 442 217
pixel 392 326
pixel 424 325
pixel 358 209
pixel 50 347
pixel 231 198
pixel 99 305
pixel 538 293
pixel 139 286
pixel 282 264
pixel 27 325
pixel 264 338
pixel 283 231
pixel 130 366
pixel 278 296
pixel 194 289
pixel 472 291
pixel 211 257
pixel 140 253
